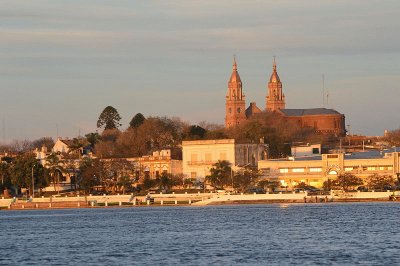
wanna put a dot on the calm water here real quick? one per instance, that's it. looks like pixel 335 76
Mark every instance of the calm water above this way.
pixel 281 234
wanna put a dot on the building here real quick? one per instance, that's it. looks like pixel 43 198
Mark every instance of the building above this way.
pixel 321 120
pixel 200 155
pixel 153 166
pixel 314 171
pixel 275 98
pixel 306 150
pixel 235 100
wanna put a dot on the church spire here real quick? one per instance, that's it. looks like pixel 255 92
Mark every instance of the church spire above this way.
pixel 275 98
pixel 235 99
pixel 234 63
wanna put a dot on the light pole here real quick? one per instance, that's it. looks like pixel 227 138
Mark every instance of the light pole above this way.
pixel 33 183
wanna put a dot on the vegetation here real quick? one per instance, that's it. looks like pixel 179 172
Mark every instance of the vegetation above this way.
pixel 347 182
pixel 245 179
pixel 137 121
pixel 393 137
pixel 381 182
pixel 109 118
pixel 220 174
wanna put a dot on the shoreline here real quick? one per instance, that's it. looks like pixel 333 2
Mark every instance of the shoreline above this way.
pixel 68 205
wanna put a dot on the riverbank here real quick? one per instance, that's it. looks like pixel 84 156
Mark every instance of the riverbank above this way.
pixel 191 199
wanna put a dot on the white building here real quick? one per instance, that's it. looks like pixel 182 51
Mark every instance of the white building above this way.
pixel 306 150
pixel 200 155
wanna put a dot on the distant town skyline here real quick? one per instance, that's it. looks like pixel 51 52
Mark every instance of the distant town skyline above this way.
pixel 62 62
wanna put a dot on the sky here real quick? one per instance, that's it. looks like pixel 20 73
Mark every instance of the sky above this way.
pixel 63 61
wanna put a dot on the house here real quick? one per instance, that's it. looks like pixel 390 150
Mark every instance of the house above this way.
pixel 199 156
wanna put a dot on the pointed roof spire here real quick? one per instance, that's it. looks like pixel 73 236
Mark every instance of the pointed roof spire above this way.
pixel 235 75
pixel 274 75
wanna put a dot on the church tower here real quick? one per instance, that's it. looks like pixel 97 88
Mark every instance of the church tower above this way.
pixel 275 98
pixel 235 100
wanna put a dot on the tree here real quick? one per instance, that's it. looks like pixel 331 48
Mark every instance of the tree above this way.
pixel 5 180
pixel 47 142
pixel 377 181
pixel 195 132
pixel 109 118
pixel 269 184
pixel 21 171
pixel 347 181
pixel 244 179
pixel 220 174
pixel 137 120
pixel 93 138
pixel 393 137
pixel 90 173
pixel 55 168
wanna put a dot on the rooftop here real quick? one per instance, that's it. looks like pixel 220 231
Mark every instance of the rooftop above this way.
pixel 312 111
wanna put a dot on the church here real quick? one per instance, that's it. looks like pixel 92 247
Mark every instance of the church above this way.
pixel 322 120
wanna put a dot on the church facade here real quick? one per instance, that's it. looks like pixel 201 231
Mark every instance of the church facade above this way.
pixel 322 120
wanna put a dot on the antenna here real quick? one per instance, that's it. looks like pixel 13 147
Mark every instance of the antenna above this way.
pixel 327 99
pixel 323 90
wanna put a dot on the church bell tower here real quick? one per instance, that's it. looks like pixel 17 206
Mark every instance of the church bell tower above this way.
pixel 275 98
pixel 235 100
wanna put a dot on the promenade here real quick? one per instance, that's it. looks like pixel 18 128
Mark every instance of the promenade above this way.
pixel 195 199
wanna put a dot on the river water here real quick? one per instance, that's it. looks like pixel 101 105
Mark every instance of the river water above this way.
pixel 271 234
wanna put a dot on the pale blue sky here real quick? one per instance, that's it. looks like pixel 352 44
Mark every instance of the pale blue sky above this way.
pixel 62 62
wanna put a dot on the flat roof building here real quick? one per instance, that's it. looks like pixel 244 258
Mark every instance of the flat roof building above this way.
pixel 314 171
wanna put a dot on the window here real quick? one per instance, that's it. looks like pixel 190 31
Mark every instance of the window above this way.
pixel 239 110
pixel 193 174
pixel 333 156
pixel 315 150
pixel 193 157
pixel 283 170
pixel 208 157
pixel 315 124
pixel 371 168
pixel 315 169
pixel 230 110
pixel 298 170
pixel 348 169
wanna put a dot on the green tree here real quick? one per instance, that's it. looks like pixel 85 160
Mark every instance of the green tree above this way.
pixel 93 138
pixel 4 176
pixel 21 171
pixel 148 183
pixel 137 120
pixel 220 174
pixel 48 142
pixel 347 181
pixel 269 185
pixel 377 181
pixel 195 132
pixel 109 118
pixel 244 179
pixel 55 169
pixel 91 173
